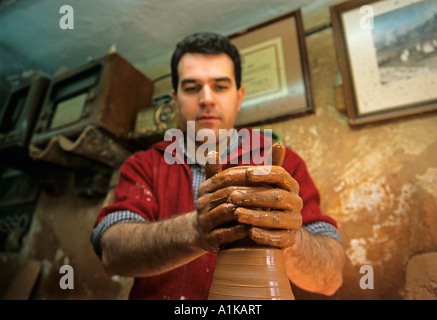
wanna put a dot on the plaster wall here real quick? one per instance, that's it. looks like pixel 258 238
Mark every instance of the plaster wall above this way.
pixel 378 181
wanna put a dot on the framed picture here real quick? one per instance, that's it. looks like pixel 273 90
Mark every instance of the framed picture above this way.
pixel 387 52
pixel 275 70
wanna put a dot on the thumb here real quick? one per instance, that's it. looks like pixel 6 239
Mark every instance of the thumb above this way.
pixel 278 153
pixel 213 164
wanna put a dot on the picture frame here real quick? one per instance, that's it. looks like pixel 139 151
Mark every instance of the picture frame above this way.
pixel 275 74
pixel 387 52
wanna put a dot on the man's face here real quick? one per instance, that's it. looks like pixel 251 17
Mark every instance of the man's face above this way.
pixel 207 92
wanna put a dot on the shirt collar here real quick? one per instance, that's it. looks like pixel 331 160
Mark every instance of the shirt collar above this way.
pixel 235 141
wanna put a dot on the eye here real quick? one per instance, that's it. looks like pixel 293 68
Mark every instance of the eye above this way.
pixel 221 87
pixel 191 89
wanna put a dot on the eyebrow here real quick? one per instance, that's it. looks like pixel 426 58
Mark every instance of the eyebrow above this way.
pixel 221 79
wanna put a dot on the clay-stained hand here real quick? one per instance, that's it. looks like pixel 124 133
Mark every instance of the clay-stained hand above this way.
pixel 240 202
pixel 273 214
pixel 215 216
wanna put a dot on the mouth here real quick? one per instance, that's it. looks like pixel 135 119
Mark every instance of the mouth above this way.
pixel 207 118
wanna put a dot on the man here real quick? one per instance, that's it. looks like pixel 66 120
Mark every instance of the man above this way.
pixel 173 224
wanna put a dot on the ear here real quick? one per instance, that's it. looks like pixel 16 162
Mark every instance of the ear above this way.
pixel 240 96
pixel 175 99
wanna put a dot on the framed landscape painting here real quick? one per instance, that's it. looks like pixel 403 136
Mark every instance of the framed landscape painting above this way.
pixel 387 52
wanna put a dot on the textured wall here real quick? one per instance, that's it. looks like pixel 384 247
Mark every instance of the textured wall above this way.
pixel 378 181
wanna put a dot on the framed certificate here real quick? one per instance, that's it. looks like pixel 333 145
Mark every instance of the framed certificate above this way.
pixel 275 70
pixel 387 52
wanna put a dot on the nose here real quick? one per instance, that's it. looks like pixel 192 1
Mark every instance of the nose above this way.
pixel 206 97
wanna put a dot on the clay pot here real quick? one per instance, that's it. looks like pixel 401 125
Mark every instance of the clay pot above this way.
pixel 250 273
pixel 247 271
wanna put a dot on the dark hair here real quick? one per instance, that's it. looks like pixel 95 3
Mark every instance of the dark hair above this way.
pixel 205 43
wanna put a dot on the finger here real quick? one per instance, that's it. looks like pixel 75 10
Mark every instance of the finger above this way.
pixel 235 176
pixel 272 175
pixel 222 236
pixel 250 176
pixel 213 164
pixel 269 219
pixel 211 200
pixel 216 217
pixel 273 238
pixel 278 153
pixel 271 198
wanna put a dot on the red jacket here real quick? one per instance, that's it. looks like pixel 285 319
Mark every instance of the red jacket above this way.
pixel 150 187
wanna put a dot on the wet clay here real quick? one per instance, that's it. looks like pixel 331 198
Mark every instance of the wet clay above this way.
pixel 278 153
pixel 250 273
pixel 246 270
pixel 213 164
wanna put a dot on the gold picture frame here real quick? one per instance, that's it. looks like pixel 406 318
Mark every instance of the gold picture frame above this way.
pixel 275 70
